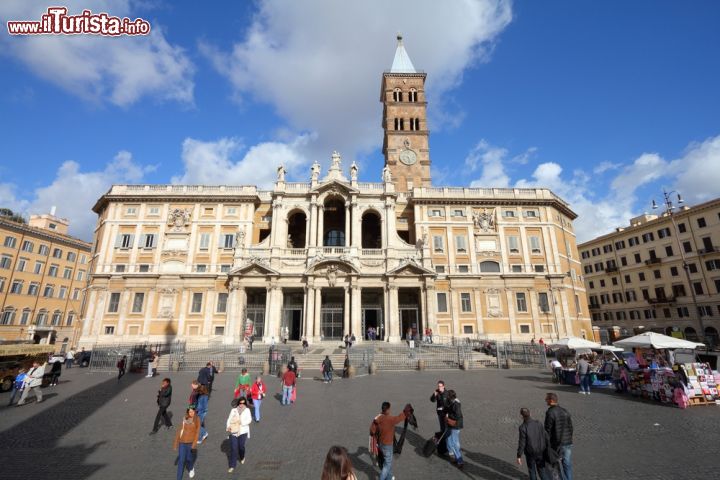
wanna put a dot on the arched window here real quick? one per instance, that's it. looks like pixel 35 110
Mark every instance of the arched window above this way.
pixel 41 318
pixel 399 124
pixel 412 95
pixel 297 223
pixel 371 230
pixel 70 319
pixel 25 317
pixel 691 334
pixel 57 316
pixel 334 223
pixel 490 267
pixel 711 336
pixel 397 95
pixel 8 316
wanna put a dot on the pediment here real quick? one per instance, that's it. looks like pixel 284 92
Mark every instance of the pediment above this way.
pixel 337 186
pixel 410 268
pixel 254 267
pixel 340 265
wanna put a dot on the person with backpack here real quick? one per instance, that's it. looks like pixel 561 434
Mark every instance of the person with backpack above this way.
pixel 121 366
pixel 533 442
pixel 327 369
pixel 17 386
pixel 455 424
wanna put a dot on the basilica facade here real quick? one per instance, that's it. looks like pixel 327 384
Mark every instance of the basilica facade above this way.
pixel 333 255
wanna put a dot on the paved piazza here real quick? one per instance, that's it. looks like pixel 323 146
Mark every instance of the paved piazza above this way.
pixel 91 427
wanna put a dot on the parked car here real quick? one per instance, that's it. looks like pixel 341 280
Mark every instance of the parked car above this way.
pixel 18 356
pixel 82 358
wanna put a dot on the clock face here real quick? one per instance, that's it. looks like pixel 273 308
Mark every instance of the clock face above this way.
pixel 408 157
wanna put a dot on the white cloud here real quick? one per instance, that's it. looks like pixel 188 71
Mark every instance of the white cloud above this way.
pixel 697 172
pixel 117 70
pixel 603 167
pixel 74 192
pixel 319 63
pixel 217 162
pixel 489 159
pixel 647 168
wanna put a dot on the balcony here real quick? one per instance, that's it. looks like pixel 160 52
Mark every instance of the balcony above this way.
pixel 708 251
pixel 653 261
pixel 661 300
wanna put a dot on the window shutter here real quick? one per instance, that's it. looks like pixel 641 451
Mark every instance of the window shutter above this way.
pixel 143 240
pixel 118 241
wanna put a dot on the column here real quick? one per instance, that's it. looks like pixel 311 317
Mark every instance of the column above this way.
pixel 210 308
pixel 356 227
pixel 478 309
pixel 309 312
pixel 455 309
pixel 317 313
pixel 183 311
pixel 422 320
pixel 268 301
pixel 430 305
pixel 89 314
pixel 355 319
pixel 313 221
pixel 346 312
pixel 393 318
pixel 150 307
pixel 321 226
pixel 348 233
pixel 125 299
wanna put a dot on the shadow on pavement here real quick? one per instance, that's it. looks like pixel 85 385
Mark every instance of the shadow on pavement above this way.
pixel 362 462
pixel 532 379
pixel 29 442
pixel 572 390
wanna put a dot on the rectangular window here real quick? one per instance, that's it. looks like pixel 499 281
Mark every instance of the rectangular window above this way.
pixel 83 259
pixel 513 244
pixel 460 244
pixel 109 330
pixel 465 304
pixel 467 329
pixel 438 244
pixel 539 268
pixel 228 240
pixel 458 213
pixel 439 268
pixel 577 304
pixel 521 302
pixel 641 276
pixel 204 241
pixel 27 246
pixel 138 301
pixel 674 271
pixel 648 237
pixel 70 318
pixel 9 242
pixel 49 291
pixel 543 300
pixel 57 253
pixel 516 268
pixel 508 213
pixel 53 271
pixel 80 275
pixel 692 268
pixel 33 289
pixel 38 268
pixel 200 268
pixel 697 286
pixel 144 268
pixel 131 211
pixel 62 292
pixel 16 287
pixel 219 330
pixel 21 265
pixel 669 251
pixel 148 240
pixel 442 306
pixel 76 294
pixel 224 268
pixel 656 274
pixel 524 328
pixel 196 303
pixel 712 265
pixel 5 261
pixel 153 211
pixel 682 228
pixel 463 268
pixel 678 290
pixel 701 222
pixel 222 302
pixel 2 284
pixel 535 245
pixel 124 241
pixel 114 303
pixel 687 247
pixel 628 279
pixel 67 273
pixel 638 259
pixel 531 213
pixel 436 213
pixel 231 211
pixel 44 250
pixel 119 268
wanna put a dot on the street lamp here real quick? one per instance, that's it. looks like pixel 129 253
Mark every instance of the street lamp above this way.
pixel 669 211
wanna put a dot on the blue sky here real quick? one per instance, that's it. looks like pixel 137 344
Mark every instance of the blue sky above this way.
pixel 604 102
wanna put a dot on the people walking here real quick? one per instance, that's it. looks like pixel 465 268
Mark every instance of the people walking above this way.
pixel 238 428
pixel 206 375
pixel 439 396
pixel 293 366
pixel 164 397
pixel 305 346
pixel 558 424
pixel 18 385
pixel 352 339
pixel 454 425
pixel 121 366
pixel 151 365
pixel 55 371
pixel 288 384
pixel 346 367
pixel 583 369
pixel 556 367
pixel 33 381
pixel 257 392
pixel 70 358
pixel 382 433
pixel 337 465
pixel 327 369
pixel 202 410
pixel 533 442
pixel 242 384
pixel 192 399
pixel 186 440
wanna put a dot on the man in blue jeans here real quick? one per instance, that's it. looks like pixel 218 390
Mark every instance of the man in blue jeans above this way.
pixel 288 382
pixel 583 370
pixel 558 424
pixel 454 424
pixel 382 430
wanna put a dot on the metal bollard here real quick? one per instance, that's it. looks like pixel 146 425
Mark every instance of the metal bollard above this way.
pixel 373 368
pixel 421 364
pixel 266 368
pixel 466 365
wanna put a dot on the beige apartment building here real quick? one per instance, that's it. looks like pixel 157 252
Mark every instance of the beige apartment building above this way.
pixel 333 255
pixel 43 275
pixel 662 273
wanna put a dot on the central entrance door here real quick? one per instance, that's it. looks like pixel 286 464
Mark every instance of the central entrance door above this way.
pixel 331 322
pixel 292 322
pixel 409 321
pixel 372 318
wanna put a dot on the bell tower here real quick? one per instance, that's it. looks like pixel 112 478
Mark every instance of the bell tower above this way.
pixel 405 143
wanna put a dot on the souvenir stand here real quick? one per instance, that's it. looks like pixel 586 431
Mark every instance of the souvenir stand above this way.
pixel 654 375
pixel 566 354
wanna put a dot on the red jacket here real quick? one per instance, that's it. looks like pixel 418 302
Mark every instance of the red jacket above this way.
pixel 256 390
pixel 289 378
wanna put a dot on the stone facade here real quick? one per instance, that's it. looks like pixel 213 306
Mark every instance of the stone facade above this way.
pixel 333 256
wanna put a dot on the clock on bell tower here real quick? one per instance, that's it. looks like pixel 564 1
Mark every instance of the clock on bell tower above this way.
pixel 405 143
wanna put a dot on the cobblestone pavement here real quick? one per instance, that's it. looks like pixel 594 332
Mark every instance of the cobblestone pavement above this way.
pixel 92 427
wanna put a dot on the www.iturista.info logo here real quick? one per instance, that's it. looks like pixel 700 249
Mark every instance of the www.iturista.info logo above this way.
pixel 57 22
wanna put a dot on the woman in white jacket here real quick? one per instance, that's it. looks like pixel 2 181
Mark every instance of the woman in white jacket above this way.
pixel 238 427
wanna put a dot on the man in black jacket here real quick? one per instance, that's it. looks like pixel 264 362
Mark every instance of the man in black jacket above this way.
pixel 206 375
pixel 454 425
pixel 532 442
pixel 439 396
pixel 559 427
pixel 164 397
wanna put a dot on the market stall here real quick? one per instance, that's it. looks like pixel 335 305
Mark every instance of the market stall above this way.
pixel 655 374
pixel 567 353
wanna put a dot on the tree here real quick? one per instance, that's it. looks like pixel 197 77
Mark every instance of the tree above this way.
pixel 10 215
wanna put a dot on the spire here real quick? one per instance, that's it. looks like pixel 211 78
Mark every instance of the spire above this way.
pixel 401 62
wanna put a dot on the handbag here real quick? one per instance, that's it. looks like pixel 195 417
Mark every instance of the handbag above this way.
pixel 451 422
pixel 551 456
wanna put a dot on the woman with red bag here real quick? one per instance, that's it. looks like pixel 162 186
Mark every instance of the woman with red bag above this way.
pixel 242 385
pixel 257 392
